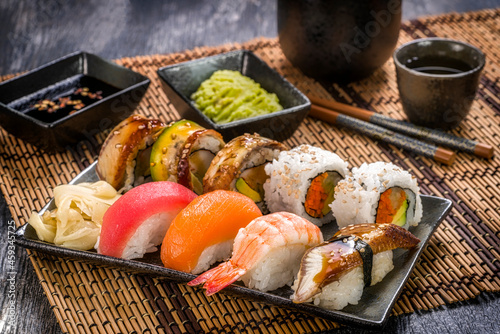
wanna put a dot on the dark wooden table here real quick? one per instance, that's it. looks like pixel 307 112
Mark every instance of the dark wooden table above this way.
pixel 35 32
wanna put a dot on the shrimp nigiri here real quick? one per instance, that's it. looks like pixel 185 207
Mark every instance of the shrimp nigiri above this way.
pixel 266 253
pixel 203 232
pixel 334 273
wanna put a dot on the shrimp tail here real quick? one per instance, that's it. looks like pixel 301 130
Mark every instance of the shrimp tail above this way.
pixel 218 278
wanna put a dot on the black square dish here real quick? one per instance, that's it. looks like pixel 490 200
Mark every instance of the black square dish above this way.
pixel 68 100
pixel 181 80
pixel 373 309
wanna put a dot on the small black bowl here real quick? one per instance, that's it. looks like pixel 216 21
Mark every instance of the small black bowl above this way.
pixel 68 100
pixel 181 80
pixel 438 79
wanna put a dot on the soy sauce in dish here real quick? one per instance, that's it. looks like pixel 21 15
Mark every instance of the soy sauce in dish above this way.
pixel 438 65
pixel 63 98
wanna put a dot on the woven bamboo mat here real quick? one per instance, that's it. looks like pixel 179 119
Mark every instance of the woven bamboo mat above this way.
pixel 461 260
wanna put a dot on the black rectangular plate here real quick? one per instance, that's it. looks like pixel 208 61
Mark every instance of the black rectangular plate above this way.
pixel 372 310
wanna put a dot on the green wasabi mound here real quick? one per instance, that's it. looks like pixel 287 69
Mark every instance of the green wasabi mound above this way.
pixel 229 96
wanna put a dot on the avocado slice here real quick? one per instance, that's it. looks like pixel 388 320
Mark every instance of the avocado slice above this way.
pixel 243 187
pixel 400 216
pixel 166 147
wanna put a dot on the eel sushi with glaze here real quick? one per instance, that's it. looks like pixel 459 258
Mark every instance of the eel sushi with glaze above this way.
pixel 334 274
pixel 239 166
pixel 124 157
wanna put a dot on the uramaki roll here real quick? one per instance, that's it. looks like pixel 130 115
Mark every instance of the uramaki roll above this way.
pixel 379 192
pixel 183 153
pixel 239 166
pixel 302 181
pixel 124 157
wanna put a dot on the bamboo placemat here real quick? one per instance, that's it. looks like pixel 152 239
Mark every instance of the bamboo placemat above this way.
pixel 461 260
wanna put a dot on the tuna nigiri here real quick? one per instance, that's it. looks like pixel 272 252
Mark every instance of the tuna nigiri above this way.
pixel 266 253
pixel 203 232
pixel 137 222
pixel 334 273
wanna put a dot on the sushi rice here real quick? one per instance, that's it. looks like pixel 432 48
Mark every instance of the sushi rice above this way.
pixel 357 196
pixel 213 254
pixel 147 236
pixel 276 269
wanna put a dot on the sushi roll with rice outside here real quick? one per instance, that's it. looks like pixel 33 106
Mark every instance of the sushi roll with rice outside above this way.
pixel 377 193
pixel 124 157
pixel 183 152
pixel 303 181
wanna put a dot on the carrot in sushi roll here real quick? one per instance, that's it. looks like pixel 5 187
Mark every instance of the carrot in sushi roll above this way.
pixel 203 232
pixel 303 181
pixel 137 222
pixel 266 254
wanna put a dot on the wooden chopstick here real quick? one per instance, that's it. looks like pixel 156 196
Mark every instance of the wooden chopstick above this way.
pixel 411 144
pixel 439 137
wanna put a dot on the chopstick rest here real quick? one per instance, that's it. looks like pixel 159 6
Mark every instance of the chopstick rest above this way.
pixel 427 150
pixel 435 136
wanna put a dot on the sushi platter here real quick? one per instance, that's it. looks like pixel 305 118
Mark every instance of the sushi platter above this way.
pixel 372 310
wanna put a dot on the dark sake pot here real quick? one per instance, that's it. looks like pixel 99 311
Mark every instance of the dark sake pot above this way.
pixel 338 40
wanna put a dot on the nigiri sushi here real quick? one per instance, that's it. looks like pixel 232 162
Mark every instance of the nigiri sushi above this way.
pixel 124 157
pixel 137 222
pixel 203 232
pixel 334 273
pixel 266 253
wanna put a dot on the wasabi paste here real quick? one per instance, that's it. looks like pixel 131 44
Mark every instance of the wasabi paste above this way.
pixel 229 96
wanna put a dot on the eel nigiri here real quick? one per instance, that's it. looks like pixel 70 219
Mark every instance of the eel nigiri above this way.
pixel 334 273
pixel 137 222
pixel 203 232
pixel 266 254
pixel 124 157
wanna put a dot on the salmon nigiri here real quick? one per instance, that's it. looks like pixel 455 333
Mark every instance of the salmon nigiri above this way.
pixel 203 232
pixel 266 254
pixel 137 222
